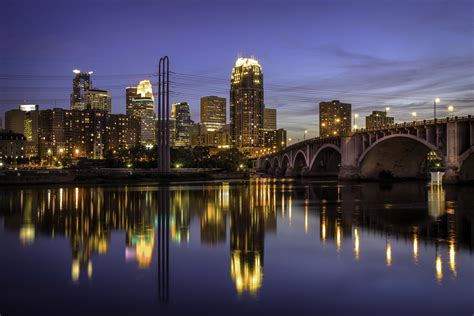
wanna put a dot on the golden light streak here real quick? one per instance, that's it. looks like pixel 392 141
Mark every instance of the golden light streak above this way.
pixel 439 268
pixel 388 254
pixel 356 243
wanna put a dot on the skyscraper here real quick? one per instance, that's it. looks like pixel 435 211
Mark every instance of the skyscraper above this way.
pixel 246 103
pixel 334 118
pixel 213 113
pixel 270 119
pixel 140 104
pixel 80 84
pixel 98 100
pixel 181 115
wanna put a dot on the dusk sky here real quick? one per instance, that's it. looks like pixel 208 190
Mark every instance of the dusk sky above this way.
pixel 371 54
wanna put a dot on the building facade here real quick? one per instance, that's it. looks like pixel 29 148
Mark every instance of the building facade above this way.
pixel 378 119
pixel 334 118
pixel 140 104
pixel 12 147
pixel 246 103
pixel 281 138
pixel 213 113
pixel 80 84
pixel 200 136
pixel 98 100
pixel 180 114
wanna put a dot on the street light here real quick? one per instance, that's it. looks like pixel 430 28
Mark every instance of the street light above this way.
pixel 289 140
pixel 451 109
pixel 436 101
pixel 305 132
pixel 414 115
pixel 355 119
pixel 387 109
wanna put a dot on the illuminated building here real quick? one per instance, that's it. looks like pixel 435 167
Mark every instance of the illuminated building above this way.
pixel 80 84
pixel 200 136
pixel 29 107
pixel 378 119
pixel 270 119
pixel 140 104
pixel 98 100
pixel 123 132
pixel 25 121
pixel 246 103
pixel 281 138
pixel 213 113
pixel 12 146
pixel 334 118
pixel 180 114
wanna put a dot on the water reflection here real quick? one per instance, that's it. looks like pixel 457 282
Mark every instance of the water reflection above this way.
pixel 345 216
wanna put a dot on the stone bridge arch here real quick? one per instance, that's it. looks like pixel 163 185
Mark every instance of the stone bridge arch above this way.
pixel 326 161
pixel 400 154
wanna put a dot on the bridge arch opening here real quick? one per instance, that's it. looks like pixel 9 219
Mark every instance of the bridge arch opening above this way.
pixel 267 166
pixel 467 169
pixel 285 164
pixel 299 164
pixel 398 156
pixel 326 162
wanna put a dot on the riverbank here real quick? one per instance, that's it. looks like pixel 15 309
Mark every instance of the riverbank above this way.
pixel 113 176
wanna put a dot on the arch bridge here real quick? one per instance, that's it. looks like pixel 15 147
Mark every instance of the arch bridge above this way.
pixel 400 149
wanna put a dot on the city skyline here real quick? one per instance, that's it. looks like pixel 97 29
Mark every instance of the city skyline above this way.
pixel 308 62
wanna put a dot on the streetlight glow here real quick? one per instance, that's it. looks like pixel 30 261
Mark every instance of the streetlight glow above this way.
pixel 413 114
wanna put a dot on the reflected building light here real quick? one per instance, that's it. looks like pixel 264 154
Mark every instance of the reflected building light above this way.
pixel 60 199
pixel 452 257
pixel 49 199
pixel 246 271
pixel 415 246
pixel 338 235
pixel 323 225
pixel 439 268
pixel 89 269
pixel 76 198
pixel 306 216
pixel 75 270
pixel 27 234
pixel 283 204
pixel 289 208
pixel 388 254
pixel 436 201
pixel 356 243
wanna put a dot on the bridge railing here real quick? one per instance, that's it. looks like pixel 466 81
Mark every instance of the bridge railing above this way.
pixel 413 124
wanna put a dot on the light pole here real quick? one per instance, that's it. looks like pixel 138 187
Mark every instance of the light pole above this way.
pixel 355 120
pixel 289 140
pixel 305 132
pixel 451 109
pixel 436 101
pixel 414 115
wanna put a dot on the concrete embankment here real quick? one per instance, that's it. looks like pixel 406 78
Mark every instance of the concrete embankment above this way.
pixel 112 176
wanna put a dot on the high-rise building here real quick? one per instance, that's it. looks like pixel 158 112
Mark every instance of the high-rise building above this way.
pixel 269 127
pixel 140 104
pixel 80 84
pixel 15 121
pixel 246 103
pixel 281 138
pixel 378 119
pixel 270 119
pixel 98 100
pixel 123 132
pixel 334 118
pixel 180 113
pixel 213 113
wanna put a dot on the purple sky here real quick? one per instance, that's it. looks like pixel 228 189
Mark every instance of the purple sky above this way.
pixel 373 54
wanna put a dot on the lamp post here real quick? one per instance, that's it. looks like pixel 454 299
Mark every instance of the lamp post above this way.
pixel 289 140
pixel 436 101
pixel 414 115
pixel 451 109
pixel 355 120
pixel 305 132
